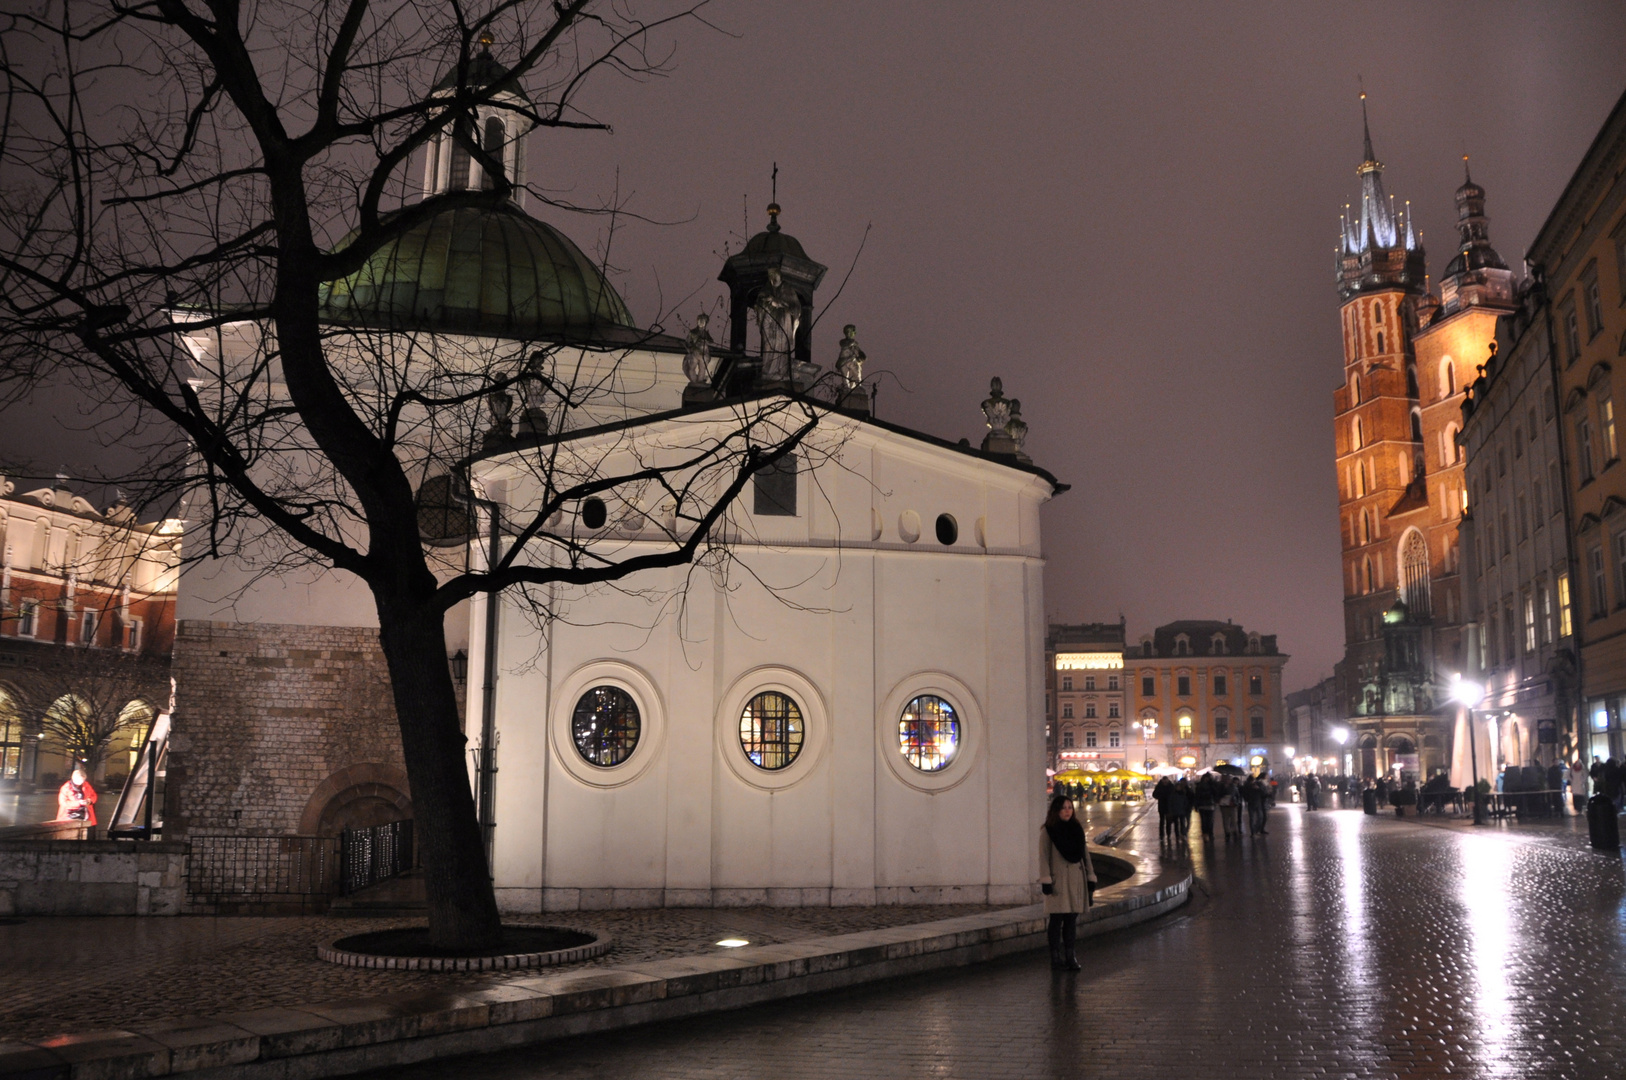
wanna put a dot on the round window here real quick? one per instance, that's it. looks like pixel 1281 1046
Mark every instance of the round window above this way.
pixel 948 530
pixel 594 513
pixel 771 730
pixel 929 733
pixel 605 726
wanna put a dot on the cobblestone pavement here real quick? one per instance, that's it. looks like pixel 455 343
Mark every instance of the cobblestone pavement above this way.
pixel 1338 946
pixel 78 974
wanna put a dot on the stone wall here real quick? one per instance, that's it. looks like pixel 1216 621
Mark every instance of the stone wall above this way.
pixel 92 877
pixel 273 723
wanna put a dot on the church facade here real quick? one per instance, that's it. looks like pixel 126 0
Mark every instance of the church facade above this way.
pixel 1409 354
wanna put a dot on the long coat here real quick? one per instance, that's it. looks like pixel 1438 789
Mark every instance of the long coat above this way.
pixel 1070 895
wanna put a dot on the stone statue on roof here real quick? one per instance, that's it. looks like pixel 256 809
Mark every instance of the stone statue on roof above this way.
pixel 779 313
pixel 697 352
pixel 850 361
pixel 1017 428
pixel 996 409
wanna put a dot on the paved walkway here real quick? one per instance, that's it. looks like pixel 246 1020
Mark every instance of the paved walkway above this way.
pixel 1339 946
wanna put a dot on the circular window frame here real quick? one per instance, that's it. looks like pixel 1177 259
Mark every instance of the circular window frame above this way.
pixel 651 710
pixel 815 727
pixel 637 722
pixel 972 731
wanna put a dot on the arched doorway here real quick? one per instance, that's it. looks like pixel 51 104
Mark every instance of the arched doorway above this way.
pixel 357 797
pixel 1368 750
pixel 1401 754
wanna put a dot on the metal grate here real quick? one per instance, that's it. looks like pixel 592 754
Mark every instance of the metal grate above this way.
pixel 374 854
pixel 284 870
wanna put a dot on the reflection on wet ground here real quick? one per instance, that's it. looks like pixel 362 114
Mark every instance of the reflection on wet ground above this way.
pixel 1339 945
pixel 25 807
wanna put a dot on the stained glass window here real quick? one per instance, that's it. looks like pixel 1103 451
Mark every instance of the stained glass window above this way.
pixel 929 733
pixel 771 730
pixel 605 726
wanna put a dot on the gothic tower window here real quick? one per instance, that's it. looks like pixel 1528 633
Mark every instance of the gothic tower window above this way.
pixel 1380 336
pixel 492 144
pixel 1416 424
pixel 1414 572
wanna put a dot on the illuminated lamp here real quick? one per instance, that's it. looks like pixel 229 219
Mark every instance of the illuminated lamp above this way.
pixel 1256 760
pixel 1188 761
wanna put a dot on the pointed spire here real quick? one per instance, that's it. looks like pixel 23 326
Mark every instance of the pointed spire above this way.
pixel 1467 177
pixel 1366 129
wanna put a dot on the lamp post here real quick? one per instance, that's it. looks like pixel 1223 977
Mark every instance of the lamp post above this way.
pixel 1469 694
pixel 1148 731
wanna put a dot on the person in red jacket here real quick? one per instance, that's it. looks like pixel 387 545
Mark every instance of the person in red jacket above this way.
pixel 76 800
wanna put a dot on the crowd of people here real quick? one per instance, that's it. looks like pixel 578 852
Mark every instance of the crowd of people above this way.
pixel 1212 794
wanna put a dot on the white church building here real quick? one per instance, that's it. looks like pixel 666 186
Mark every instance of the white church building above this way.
pixel 841 703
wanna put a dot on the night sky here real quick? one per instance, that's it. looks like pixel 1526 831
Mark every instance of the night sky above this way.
pixel 1128 212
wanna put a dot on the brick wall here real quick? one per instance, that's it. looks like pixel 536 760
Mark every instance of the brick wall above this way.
pixel 265 716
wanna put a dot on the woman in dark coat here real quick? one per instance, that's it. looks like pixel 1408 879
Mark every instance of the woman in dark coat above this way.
pixel 1065 875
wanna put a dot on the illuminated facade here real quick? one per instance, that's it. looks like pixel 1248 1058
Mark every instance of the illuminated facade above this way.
pixel 1202 693
pixel 1408 356
pixel 1087 713
pixel 1580 255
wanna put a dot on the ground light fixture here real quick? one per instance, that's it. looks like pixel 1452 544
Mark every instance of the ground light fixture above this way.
pixel 733 942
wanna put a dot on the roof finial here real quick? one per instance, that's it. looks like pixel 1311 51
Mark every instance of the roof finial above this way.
pixel 773 207
pixel 487 39
pixel 1467 177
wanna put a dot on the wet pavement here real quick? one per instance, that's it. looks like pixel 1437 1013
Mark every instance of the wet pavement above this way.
pixel 1339 945
pixel 27 807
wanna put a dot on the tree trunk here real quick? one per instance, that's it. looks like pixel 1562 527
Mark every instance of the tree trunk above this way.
pixel 462 904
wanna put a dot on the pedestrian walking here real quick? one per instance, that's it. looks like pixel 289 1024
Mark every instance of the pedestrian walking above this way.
pixel 1253 794
pixel 1065 877
pixel 76 800
pixel 1207 795
pixel 1180 804
pixel 1163 792
pixel 1230 808
pixel 1312 792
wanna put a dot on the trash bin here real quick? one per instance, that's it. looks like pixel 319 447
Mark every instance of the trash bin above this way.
pixel 1601 823
pixel 1369 800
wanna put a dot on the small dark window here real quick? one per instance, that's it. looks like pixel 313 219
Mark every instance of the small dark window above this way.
pixel 457 175
pixel 1184 682
pixel 948 530
pixel 593 513
pixel 774 489
pixel 492 145
pixel 1222 727
pixel 1256 684
pixel 1220 688
pixel 1148 685
pixel 1380 337
pixel 605 726
pixel 1256 726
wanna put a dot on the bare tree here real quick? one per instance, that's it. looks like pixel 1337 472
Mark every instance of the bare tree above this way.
pixel 187 186
pixel 86 698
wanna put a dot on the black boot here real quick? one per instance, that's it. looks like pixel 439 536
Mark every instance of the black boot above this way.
pixel 1058 959
pixel 1069 937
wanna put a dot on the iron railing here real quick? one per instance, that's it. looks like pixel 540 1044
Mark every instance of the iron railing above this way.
pixel 368 856
pixel 227 872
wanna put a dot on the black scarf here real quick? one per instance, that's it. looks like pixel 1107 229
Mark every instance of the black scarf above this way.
pixel 1068 838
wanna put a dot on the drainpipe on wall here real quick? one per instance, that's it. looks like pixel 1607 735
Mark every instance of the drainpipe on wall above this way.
pixel 487 775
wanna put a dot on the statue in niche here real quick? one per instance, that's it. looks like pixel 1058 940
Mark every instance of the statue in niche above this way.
pixel 850 361
pixel 997 408
pixel 697 352
pixel 779 313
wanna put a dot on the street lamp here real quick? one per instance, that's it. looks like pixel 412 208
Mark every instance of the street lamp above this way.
pixel 1469 694
pixel 1148 731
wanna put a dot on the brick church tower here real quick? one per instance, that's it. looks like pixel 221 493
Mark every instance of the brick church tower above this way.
pixel 1407 357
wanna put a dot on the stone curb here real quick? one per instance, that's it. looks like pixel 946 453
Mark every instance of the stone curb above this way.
pixel 342 1037
pixel 601 944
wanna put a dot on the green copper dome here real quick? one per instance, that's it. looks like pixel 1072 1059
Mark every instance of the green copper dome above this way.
pixel 492 273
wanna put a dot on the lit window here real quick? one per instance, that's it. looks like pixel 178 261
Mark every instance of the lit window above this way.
pixel 1256 685
pixel 1114 738
pixel 605 726
pixel 1089 738
pixel 771 730
pixel 1566 625
pixel 1529 621
pixel 929 733
pixel 1184 723
pixel 1606 421
pixel 1112 709
pixel 1544 623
